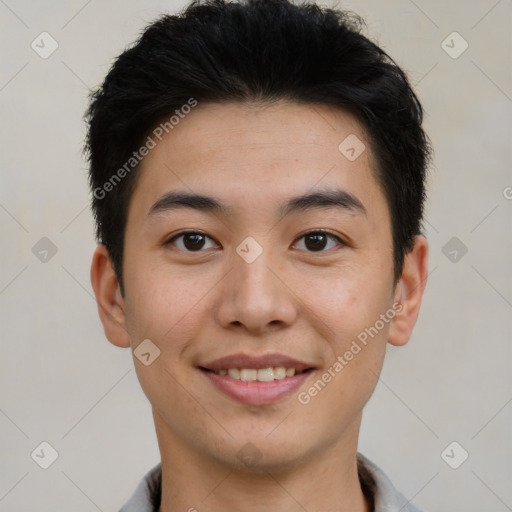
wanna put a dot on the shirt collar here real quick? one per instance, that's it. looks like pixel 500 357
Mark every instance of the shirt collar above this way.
pixel 147 495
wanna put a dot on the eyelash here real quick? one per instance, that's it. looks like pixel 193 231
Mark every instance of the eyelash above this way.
pixel 313 232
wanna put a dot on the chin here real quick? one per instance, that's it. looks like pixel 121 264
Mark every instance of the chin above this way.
pixel 261 455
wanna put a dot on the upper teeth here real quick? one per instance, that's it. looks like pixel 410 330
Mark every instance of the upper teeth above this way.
pixel 262 375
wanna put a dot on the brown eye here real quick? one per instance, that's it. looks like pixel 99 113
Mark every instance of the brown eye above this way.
pixel 191 241
pixel 317 241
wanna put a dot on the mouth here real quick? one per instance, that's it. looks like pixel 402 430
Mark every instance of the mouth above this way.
pixel 260 375
pixel 257 380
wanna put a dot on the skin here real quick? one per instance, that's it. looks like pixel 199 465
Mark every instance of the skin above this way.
pixel 197 306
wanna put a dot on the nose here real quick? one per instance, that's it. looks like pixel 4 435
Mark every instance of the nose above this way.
pixel 255 296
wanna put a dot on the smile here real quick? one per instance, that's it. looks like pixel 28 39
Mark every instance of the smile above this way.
pixel 257 379
pixel 260 375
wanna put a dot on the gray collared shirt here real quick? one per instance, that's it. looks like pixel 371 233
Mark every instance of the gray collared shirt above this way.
pixel 147 495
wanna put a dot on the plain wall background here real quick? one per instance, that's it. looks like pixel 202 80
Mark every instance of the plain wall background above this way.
pixel 62 382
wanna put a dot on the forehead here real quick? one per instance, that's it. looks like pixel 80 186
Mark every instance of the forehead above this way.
pixel 257 154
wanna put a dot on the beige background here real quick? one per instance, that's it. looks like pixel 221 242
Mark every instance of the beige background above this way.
pixel 63 383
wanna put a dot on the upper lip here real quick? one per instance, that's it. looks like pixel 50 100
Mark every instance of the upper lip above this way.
pixel 256 362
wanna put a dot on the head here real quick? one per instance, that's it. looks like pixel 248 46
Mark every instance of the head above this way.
pixel 282 120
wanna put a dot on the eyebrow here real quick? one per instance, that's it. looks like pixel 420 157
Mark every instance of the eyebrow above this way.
pixel 322 199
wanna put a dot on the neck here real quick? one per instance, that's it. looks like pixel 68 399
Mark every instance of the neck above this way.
pixel 328 481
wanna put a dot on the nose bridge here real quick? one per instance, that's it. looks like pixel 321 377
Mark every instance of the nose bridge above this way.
pixel 254 295
pixel 251 269
pixel 255 275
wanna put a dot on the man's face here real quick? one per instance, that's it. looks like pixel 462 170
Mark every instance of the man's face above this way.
pixel 305 298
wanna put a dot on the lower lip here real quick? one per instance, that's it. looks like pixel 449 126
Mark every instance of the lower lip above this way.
pixel 256 392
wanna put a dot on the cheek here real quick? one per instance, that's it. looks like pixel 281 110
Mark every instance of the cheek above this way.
pixel 347 301
pixel 357 339
pixel 169 307
pixel 350 309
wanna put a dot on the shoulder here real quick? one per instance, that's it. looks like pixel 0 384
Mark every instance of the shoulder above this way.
pixel 386 497
pixel 147 495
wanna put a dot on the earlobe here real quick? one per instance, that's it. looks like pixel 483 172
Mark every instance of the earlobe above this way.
pixel 108 297
pixel 409 292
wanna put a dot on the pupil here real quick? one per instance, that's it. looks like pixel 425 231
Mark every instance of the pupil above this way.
pixel 197 241
pixel 318 244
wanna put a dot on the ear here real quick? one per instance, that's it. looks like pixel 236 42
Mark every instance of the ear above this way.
pixel 409 292
pixel 108 297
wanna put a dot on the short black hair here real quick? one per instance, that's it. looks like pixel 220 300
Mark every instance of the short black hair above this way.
pixel 255 51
